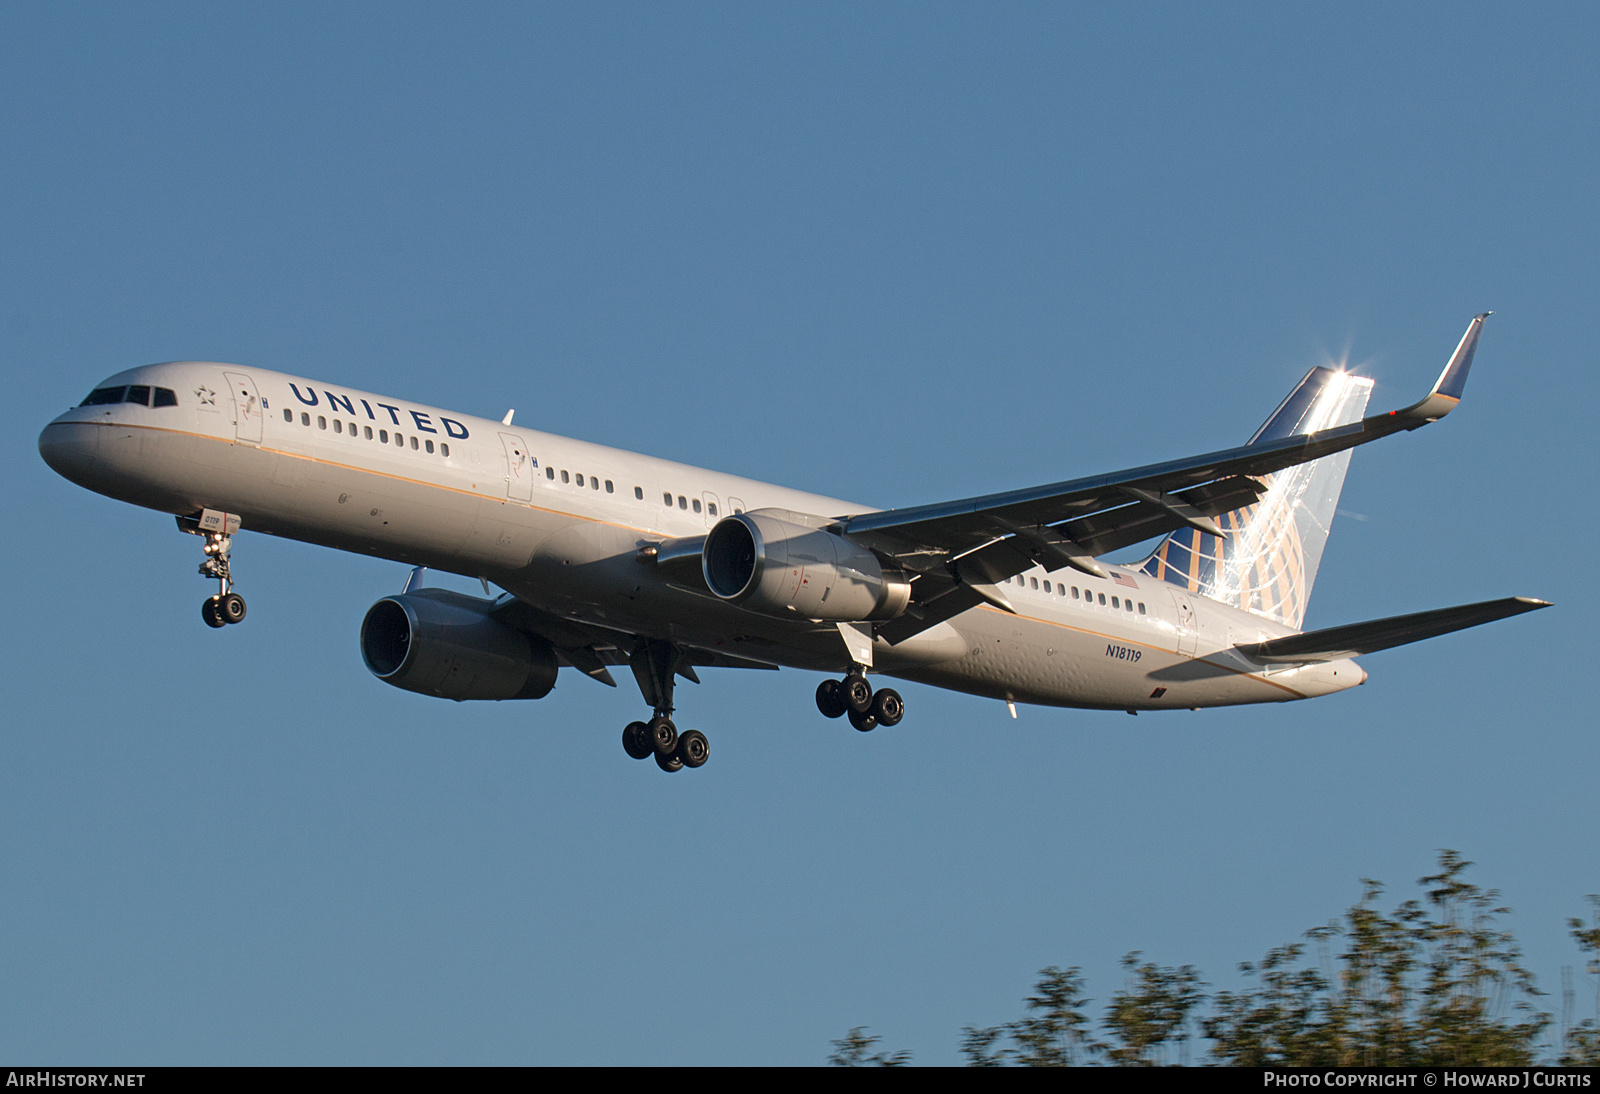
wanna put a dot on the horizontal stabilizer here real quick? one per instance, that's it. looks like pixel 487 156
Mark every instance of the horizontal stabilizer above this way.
pixel 1355 639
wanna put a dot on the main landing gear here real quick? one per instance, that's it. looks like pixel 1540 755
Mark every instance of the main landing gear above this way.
pixel 854 698
pixel 226 606
pixel 659 738
pixel 655 664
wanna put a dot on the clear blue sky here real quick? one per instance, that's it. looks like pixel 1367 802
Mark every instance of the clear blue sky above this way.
pixel 898 253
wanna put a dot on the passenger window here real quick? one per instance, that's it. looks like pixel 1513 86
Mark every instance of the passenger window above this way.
pixel 367 432
pixel 305 419
pixel 609 488
pixel 104 396
pixel 352 429
pixel 383 436
pixel 322 423
pixel 1141 607
pixel 550 473
pixel 1046 586
pixel 594 483
pixel 165 396
pixel 399 440
pixel 413 444
pixel 683 503
pixel 638 493
pixel 139 393
pixel 288 415
pixel 711 507
pixel 1128 605
pixel 429 446
pixel 580 480
pixel 565 477
pixel 444 450
pixel 1114 603
pixel 666 499
pixel 1074 592
pixel 1102 600
pixel 696 504
pixel 338 426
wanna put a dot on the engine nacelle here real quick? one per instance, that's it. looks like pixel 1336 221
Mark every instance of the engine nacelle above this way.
pixel 777 566
pixel 441 643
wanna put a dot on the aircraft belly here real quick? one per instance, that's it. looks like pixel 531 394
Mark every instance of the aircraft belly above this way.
pixel 299 497
pixel 163 469
pixel 394 517
pixel 591 570
pixel 1044 662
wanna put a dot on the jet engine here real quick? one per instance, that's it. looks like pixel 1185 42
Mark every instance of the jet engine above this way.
pixel 776 565
pixel 441 643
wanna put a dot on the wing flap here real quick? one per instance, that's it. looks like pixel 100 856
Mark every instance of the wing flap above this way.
pixel 590 647
pixel 1355 639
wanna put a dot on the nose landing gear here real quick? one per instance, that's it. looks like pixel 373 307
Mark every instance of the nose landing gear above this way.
pixel 226 606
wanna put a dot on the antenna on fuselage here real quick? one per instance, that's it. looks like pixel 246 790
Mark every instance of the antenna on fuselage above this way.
pixel 507 419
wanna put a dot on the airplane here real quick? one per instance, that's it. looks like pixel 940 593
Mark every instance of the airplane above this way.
pixel 610 558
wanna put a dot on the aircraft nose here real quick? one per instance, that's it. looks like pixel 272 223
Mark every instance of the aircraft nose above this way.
pixel 69 448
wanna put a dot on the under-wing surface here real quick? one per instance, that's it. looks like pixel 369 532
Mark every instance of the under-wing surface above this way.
pixel 610 559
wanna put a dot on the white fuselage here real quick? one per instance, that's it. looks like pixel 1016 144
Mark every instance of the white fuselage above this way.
pixel 561 523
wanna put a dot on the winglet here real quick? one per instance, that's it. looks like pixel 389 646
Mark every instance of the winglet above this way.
pixel 1446 394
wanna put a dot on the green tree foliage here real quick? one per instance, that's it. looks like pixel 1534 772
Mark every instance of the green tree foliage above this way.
pixel 1055 1032
pixel 1143 1019
pixel 1151 1013
pixel 851 1051
pixel 1435 982
pixel 1581 1045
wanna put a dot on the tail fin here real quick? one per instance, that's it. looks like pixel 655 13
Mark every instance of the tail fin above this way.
pixel 1267 558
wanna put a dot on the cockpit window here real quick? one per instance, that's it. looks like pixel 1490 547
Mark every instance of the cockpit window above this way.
pixel 104 396
pixel 138 393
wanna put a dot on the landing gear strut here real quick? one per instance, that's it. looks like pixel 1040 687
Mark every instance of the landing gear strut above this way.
pixel 853 697
pixel 226 606
pixel 655 666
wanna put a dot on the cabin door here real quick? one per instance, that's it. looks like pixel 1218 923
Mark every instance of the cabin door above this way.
pixel 519 468
pixel 247 412
pixel 1188 632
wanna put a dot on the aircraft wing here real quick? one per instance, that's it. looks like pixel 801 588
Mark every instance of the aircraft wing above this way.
pixel 590 648
pixel 995 536
pixel 1355 639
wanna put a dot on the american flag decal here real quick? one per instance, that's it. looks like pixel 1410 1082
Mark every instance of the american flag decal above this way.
pixel 1124 580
